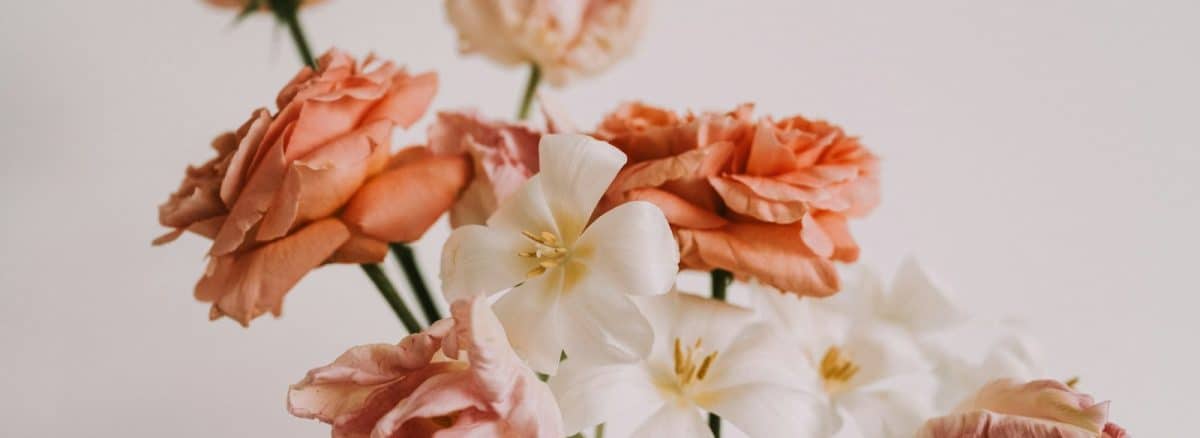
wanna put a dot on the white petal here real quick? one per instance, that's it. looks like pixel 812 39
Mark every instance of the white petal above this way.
pixel 918 302
pixel 590 395
pixel 603 327
pixel 674 420
pixel 532 318
pixel 765 410
pixel 629 249
pixel 526 210
pixel 757 356
pixel 480 260
pixel 692 317
pixel 576 171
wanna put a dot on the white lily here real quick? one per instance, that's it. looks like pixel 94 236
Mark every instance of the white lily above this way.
pixel 883 355
pixel 708 356
pixel 570 281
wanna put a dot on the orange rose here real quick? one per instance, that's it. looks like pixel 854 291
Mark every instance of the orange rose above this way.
pixel 762 198
pixel 314 183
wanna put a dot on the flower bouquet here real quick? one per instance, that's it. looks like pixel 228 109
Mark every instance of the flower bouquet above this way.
pixel 559 312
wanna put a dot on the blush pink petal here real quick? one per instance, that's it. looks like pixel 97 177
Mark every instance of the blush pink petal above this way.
pixel 698 163
pixel 248 284
pixel 504 156
pixel 402 203
pixel 772 254
pixel 1037 409
pixel 459 378
pixel 360 249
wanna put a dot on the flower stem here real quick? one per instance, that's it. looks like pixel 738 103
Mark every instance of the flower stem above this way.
pixel 412 271
pixel 720 282
pixel 375 273
pixel 599 431
pixel 288 11
pixel 535 77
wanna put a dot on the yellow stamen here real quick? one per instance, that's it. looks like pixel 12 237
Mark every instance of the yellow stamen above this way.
pixel 837 368
pixel 687 370
pixel 546 251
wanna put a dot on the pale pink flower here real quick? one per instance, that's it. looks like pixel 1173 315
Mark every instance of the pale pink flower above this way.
pixel 1037 409
pixel 459 378
pixel 504 154
pixel 567 38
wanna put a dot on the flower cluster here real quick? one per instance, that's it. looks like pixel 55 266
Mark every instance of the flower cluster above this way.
pixel 560 271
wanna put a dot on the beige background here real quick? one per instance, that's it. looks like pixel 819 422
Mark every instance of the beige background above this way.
pixel 1040 155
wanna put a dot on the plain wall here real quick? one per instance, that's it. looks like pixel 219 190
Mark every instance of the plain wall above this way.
pixel 1040 156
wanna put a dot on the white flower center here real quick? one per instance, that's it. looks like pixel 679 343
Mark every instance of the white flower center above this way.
pixel 547 251
pixel 837 368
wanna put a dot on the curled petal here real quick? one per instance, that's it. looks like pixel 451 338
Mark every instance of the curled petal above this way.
pixel 245 285
pixel 774 254
pixel 403 202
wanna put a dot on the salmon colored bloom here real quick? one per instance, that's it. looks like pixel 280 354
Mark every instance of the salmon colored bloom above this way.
pixel 1038 409
pixel 763 198
pixel 262 5
pixel 504 154
pixel 313 183
pixel 567 38
pixel 459 378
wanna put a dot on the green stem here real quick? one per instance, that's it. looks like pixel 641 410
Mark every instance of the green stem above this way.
pixel 599 431
pixel 720 283
pixel 375 273
pixel 288 11
pixel 535 77
pixel 412 271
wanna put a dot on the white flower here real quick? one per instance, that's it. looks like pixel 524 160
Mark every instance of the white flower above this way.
pixel 708 356
pixel 887 357
pixel 872 377
pixel 570 280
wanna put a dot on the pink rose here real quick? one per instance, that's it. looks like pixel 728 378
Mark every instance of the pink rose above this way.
pixel 762 198
pixel 567 38
pixel 504 156
pixel 459 378
pixel 313 183
pixel 1038 409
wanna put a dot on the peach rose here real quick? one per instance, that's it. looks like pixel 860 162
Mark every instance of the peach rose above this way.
pixel 262 5
pixel 1038 409
pixel 762 198
pixel 504 156
pixel 314 183
pixel 567 38
pixel 459 378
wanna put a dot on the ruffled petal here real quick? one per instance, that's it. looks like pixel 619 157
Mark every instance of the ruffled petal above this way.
pixel 245 285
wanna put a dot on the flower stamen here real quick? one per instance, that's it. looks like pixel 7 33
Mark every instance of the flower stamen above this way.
pixel 547 250
pixel 687 370
pixel 837 368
